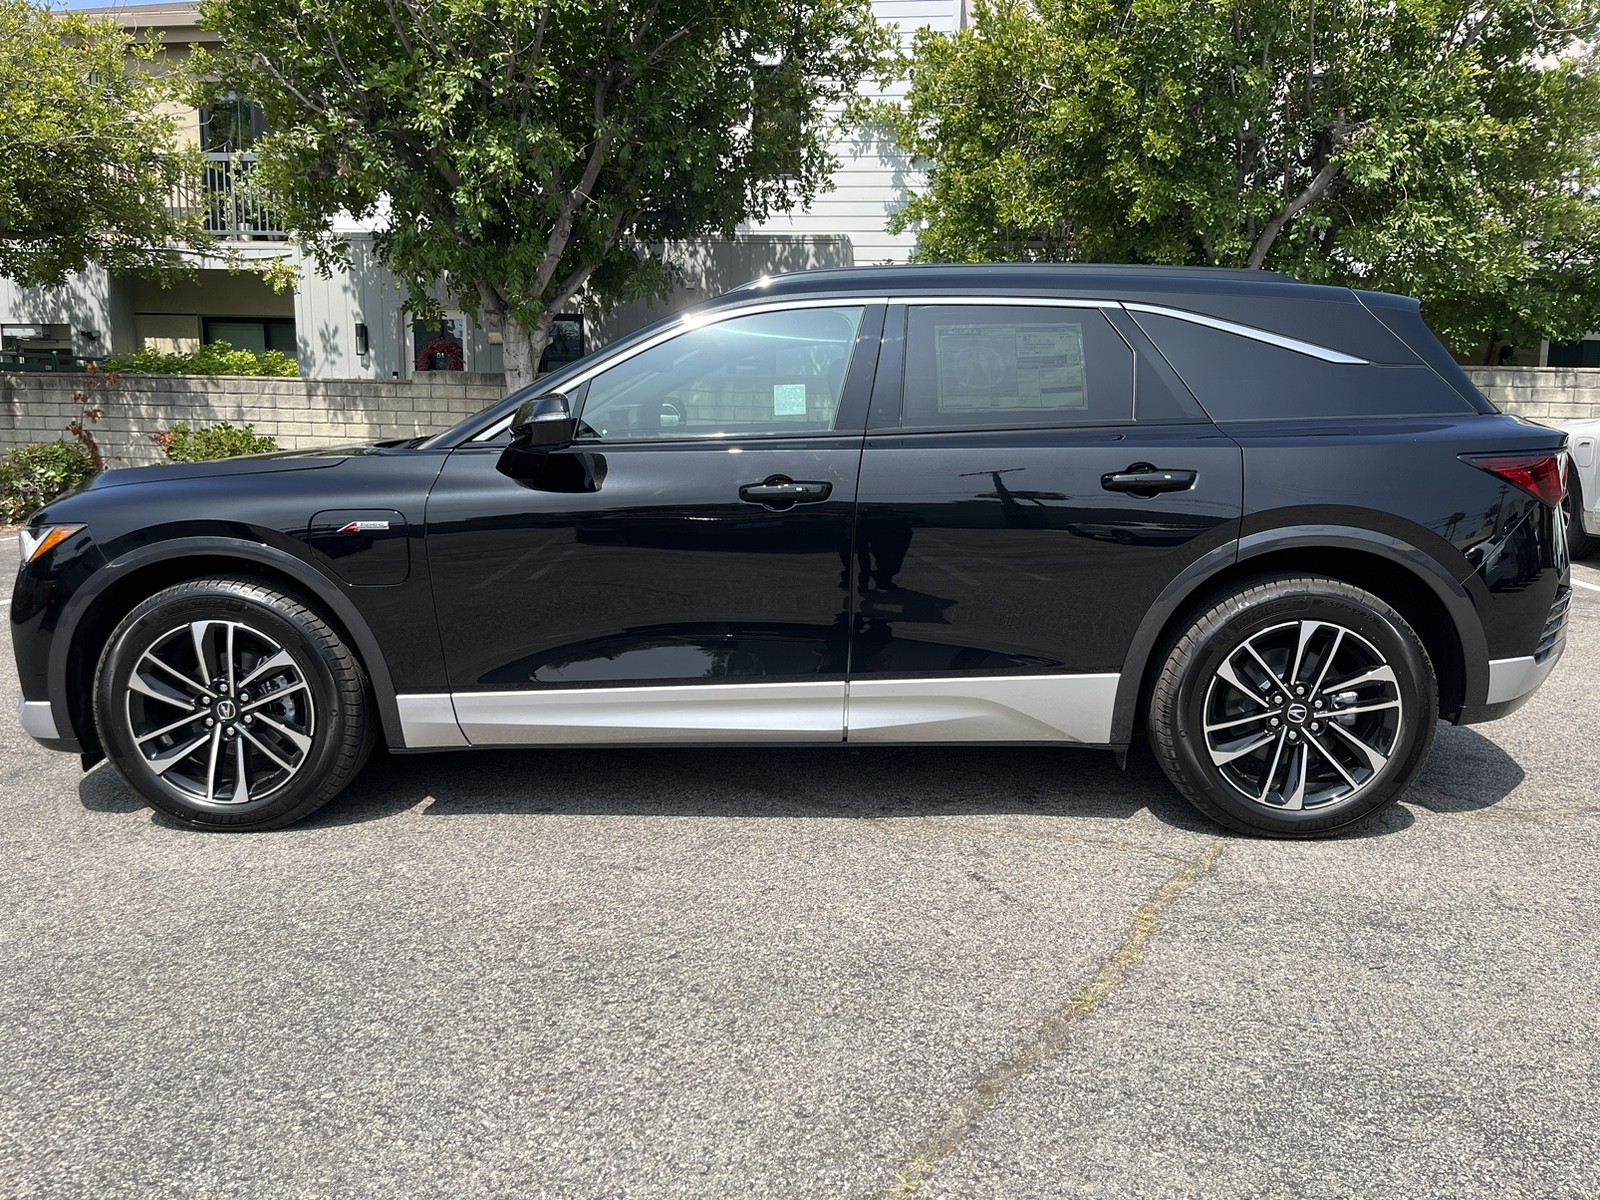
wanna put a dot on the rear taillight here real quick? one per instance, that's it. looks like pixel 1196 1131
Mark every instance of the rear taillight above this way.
pixel 1540 474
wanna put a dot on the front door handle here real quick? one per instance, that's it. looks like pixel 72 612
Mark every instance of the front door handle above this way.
pixel 779 491
pixel 1141 479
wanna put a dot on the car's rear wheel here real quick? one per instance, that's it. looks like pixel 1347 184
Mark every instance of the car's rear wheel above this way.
pixel 1579 543
pixel 229 705
pixel 1294 707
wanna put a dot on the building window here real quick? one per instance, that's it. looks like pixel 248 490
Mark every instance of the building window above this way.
pixel 258 334
pixel 231 125
pixel 566 342
pixel 1584 353
pixel 439 345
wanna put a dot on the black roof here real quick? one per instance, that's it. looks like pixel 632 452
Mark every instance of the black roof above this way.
pixel 1055 278
pixel 1335 317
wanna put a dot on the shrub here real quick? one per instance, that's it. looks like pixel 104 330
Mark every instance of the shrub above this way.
pixel 32 476
pixel 182 444
pixel 215 358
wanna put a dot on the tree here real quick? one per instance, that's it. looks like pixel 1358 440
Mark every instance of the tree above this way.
pixel 532 155
pixel 90 161
pixel 1442 148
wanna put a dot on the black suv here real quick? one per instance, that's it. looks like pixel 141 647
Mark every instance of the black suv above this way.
pixel 1272 527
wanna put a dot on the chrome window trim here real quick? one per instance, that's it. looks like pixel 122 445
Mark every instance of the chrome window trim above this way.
pixel 1310 349
pixel 687 324
pixel 1006 301
pixel 701 320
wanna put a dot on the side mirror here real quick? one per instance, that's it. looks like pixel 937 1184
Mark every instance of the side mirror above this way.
pixel 544 423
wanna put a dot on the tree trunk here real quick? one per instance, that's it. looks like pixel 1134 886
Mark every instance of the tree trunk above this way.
pixel 522 350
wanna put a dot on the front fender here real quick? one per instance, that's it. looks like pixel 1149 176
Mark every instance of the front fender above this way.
pixel 279 561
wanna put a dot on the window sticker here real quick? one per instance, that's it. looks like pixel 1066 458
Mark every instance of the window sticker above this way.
pixel 788 399
pixel 990 367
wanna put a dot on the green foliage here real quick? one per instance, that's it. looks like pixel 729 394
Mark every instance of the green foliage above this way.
pixel 223 440
pixel 539 154
pixel 1441 148
pixel 214 358
pixel 32 476
pixel 90 161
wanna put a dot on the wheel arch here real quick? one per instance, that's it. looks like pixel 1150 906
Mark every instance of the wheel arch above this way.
pixel 1440 610
pixel 96 609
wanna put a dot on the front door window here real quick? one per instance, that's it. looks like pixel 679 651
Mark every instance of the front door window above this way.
pixel 777 373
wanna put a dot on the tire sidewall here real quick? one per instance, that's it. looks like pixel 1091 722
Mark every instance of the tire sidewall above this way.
pixel 161 615
pixel 1363 615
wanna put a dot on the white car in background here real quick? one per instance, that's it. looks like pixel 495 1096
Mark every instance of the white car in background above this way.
pixel 1583 487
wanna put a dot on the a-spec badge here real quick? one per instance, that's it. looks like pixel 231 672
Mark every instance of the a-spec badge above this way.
pixel 363 526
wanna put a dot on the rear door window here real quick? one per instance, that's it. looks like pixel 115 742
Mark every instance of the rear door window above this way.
pixel 1003 367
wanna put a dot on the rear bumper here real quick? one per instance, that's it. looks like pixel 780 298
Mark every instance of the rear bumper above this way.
pixel 1518 678
pixel 1512 681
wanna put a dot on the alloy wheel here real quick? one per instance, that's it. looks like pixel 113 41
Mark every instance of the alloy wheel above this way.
pixel 1303 715
pixel 220 712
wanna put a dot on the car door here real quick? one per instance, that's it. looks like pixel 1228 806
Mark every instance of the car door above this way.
pixel 1034 476
pixel 676 573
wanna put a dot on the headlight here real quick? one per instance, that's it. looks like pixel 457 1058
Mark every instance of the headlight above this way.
pixel 35 542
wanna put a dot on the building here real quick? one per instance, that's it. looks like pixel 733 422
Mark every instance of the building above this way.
pixel 354 323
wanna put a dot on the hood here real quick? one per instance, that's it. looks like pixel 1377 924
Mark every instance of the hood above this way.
pixel 250 464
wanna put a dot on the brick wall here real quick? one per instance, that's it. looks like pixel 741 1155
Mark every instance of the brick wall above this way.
pixel 299 413
pixel 1554 394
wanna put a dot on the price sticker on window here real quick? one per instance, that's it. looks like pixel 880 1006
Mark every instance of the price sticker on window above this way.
pixel 789 399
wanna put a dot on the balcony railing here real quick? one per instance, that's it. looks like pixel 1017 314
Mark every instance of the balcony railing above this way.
pixel 227 199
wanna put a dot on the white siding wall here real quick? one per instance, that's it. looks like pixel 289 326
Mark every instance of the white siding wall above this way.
pixel 86 302
pixel 875 178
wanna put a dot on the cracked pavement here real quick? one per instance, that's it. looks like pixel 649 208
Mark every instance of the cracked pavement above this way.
pixel 810 973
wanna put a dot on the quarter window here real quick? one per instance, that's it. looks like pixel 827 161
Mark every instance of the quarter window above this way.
pixel 767 373
pixel 1240 379
pixel 1003 367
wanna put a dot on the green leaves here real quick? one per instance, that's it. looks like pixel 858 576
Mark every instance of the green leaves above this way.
pixel 529 154
pixel 214 358
pixel 1427 146
pixel 181 444
pixel 33 476
pixel 90 162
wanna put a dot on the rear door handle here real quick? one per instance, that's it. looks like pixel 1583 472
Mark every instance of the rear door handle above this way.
pixel 779 491
pixel 1140 479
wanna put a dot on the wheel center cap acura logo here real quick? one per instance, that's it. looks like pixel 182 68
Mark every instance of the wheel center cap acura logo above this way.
pixel 227 710
pixel 1297 713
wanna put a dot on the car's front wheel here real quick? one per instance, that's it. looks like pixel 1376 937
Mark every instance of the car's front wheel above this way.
pixel 1294 707
pixel 229 705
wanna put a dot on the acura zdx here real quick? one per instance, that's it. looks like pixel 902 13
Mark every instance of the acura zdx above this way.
pixel 1272 528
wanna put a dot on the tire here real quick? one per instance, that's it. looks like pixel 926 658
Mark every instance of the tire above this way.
pixel 177 731
pixel 1579 544
pixel 1232 738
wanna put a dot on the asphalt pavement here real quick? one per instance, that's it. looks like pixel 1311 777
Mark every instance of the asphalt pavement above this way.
pixel 810 973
